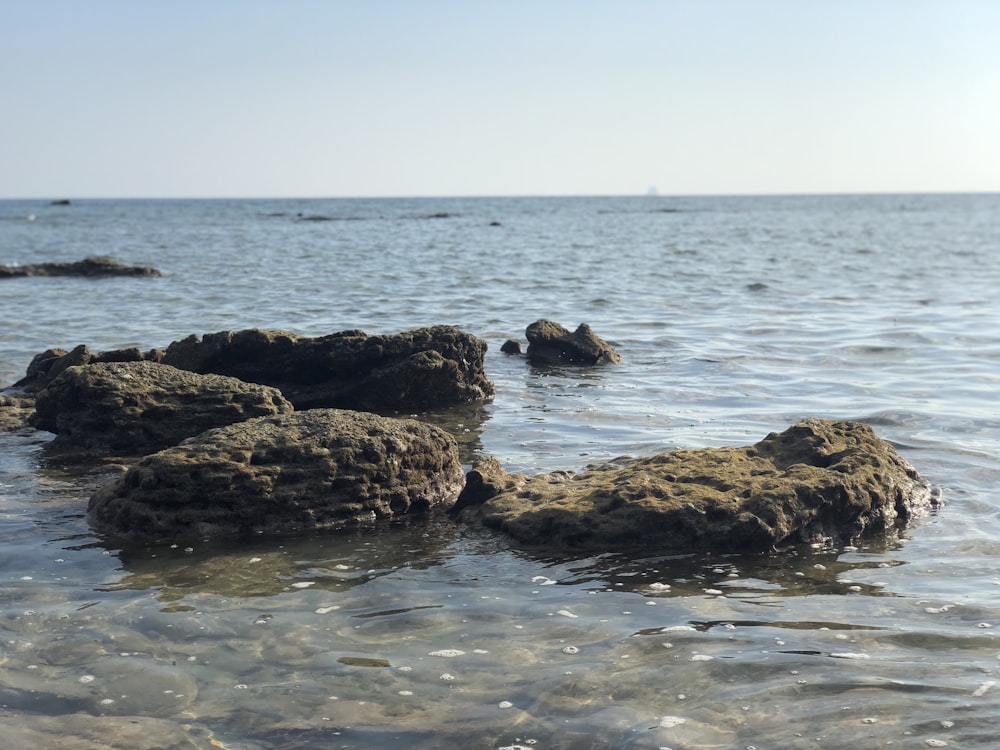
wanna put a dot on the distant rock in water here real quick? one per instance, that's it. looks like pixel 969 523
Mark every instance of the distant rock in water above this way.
pixel 511 347
pixel 414 370
pixel 550 342
pixel 816 480
pixel 307 471
pixel 89 267
pixel 134 408
pixel 61 202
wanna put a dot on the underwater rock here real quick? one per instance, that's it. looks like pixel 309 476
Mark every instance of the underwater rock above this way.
pixel 818 479
pixel 414 370
pixel 133 408
pixel 305 471
pixel 90 267
pixel 550 342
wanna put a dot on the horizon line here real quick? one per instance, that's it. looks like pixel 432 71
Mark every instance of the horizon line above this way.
pixel 484 196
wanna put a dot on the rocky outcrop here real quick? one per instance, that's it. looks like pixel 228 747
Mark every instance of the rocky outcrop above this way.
pixel 816 480
pixel 48 365
pixel 133 408
pixel 15 412
pixel 90 267
pixel 549 342
pixel 415 370
pixel 305 471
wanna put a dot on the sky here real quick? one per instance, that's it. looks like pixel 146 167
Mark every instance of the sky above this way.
pixel 358 98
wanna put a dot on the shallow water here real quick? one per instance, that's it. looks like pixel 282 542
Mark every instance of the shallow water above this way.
pixel 735 317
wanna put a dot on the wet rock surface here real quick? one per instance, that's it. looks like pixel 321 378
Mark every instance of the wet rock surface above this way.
pixel 15 410
pixel 549 342
pixel 313 470
pixel 89 267
pixel 133 408
pixel 818 479
pixel 413 370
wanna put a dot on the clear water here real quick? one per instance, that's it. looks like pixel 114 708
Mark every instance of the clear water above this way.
pixel 735 317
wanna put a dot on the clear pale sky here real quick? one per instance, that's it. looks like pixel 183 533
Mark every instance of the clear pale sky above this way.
pixel 329 98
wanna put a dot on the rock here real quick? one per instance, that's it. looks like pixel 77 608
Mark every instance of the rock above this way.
pixel 817 479
pixel 486 480
pixel 133 408
pixel 15 412
pixel 550 342
pixel 82 730
pixel 46 367
pixel 414 370
pixel 312 470
pixel 91 267
pixel 411 371
pixel 511 347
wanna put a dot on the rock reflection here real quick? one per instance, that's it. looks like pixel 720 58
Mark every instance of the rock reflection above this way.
pixel 333 562
pixel 803 571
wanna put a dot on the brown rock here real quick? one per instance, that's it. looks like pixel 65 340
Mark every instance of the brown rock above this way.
pixel 311 470
pixel 15 412
pixel 414 370
pixel 411 371
pixel 550 342
pixel 817 479
pixel 46 367
pixel 133 408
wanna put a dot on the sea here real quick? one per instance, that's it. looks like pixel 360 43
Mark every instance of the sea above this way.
pixel 734 316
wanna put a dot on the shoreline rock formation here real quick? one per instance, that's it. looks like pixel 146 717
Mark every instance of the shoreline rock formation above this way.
pixel 818 479
pixel 314 470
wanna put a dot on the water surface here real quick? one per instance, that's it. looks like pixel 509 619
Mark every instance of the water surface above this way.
pixel 735 317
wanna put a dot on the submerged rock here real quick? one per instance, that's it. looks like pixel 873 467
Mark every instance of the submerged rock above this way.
pixel 92 267
pixel 311 470
pixel 550 342
pixel 409 371
pixel 816 480
pixel 133 408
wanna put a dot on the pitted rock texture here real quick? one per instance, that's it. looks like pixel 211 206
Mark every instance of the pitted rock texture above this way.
pixel 307 471
pixel 134 408
pixel 818 479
